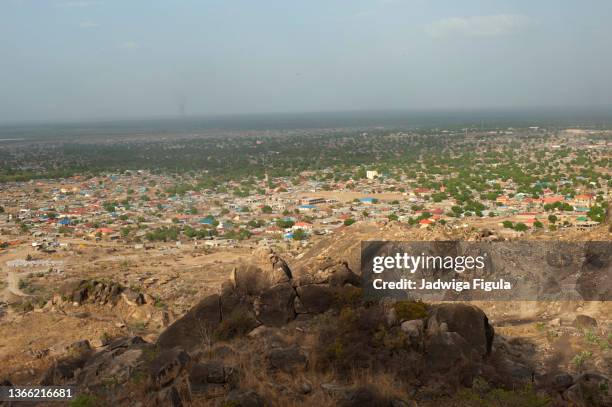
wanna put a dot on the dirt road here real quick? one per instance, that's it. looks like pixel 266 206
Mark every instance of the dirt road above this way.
pixel 12 286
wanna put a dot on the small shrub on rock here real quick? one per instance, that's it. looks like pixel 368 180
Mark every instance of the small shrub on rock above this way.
pixel 408 310
pixel 235 325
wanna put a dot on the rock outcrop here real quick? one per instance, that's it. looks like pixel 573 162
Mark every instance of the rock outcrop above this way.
pixel 468 321
pixel 262 292
pixel 162 375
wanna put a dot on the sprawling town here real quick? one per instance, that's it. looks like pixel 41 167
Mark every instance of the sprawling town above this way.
pixel 559 182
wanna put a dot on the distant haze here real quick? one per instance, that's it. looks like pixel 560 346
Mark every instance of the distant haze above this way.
pixel 89 60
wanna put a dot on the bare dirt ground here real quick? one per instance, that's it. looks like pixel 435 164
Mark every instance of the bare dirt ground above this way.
pixel 175 277
pixel 178 277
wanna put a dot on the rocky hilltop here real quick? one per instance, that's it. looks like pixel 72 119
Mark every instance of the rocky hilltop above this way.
pixel 296 331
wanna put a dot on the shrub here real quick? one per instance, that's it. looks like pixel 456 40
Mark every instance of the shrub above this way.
pixel 106 338
pixel 591 337
pixel 358 339
pixel 581 358
pixel 238 323
pixel 520 227
pixel 349 222
pixel 348 296
pixel 391 339
pixel 408 310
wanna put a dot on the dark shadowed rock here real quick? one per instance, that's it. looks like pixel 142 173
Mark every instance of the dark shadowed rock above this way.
pixel 468 321
pixel 212 378
pixel 274 307
pixel 169 397
pixel 589 390
pixel 61 371
pixel 209 372
pixel 115 362
pixel 195 327
pixel 287 360
pixel 167 367
pixel 80 295
pixel 237 316
pixel 126 342
pixel 593 281
pixel 316 298
pixel 562 381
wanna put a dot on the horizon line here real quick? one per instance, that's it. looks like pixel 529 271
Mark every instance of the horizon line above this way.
pixel 245 115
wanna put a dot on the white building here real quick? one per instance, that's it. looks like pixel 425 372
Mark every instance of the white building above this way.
pixel 371 174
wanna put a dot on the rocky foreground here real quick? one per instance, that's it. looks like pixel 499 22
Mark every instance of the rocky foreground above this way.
pixel 280 336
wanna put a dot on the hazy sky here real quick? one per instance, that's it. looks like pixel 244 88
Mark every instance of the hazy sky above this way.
pixel 71 59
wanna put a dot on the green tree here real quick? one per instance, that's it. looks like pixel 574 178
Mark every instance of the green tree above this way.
pixel 284 223
pixel 597 213
pixel 349 221
pixel 299 234
pixel 520 227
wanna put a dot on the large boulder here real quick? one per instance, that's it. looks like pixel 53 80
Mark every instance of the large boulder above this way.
pixel 168 379
pixel 195 328
pixel 264 271
pixel 116 362
pixel 167 367
pixel 275 305
pixel 456 341
pixel 237 313
pixel 62 371
pixel 468 321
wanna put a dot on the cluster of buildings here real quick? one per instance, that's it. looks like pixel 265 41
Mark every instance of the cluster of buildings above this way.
pixel 127 207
